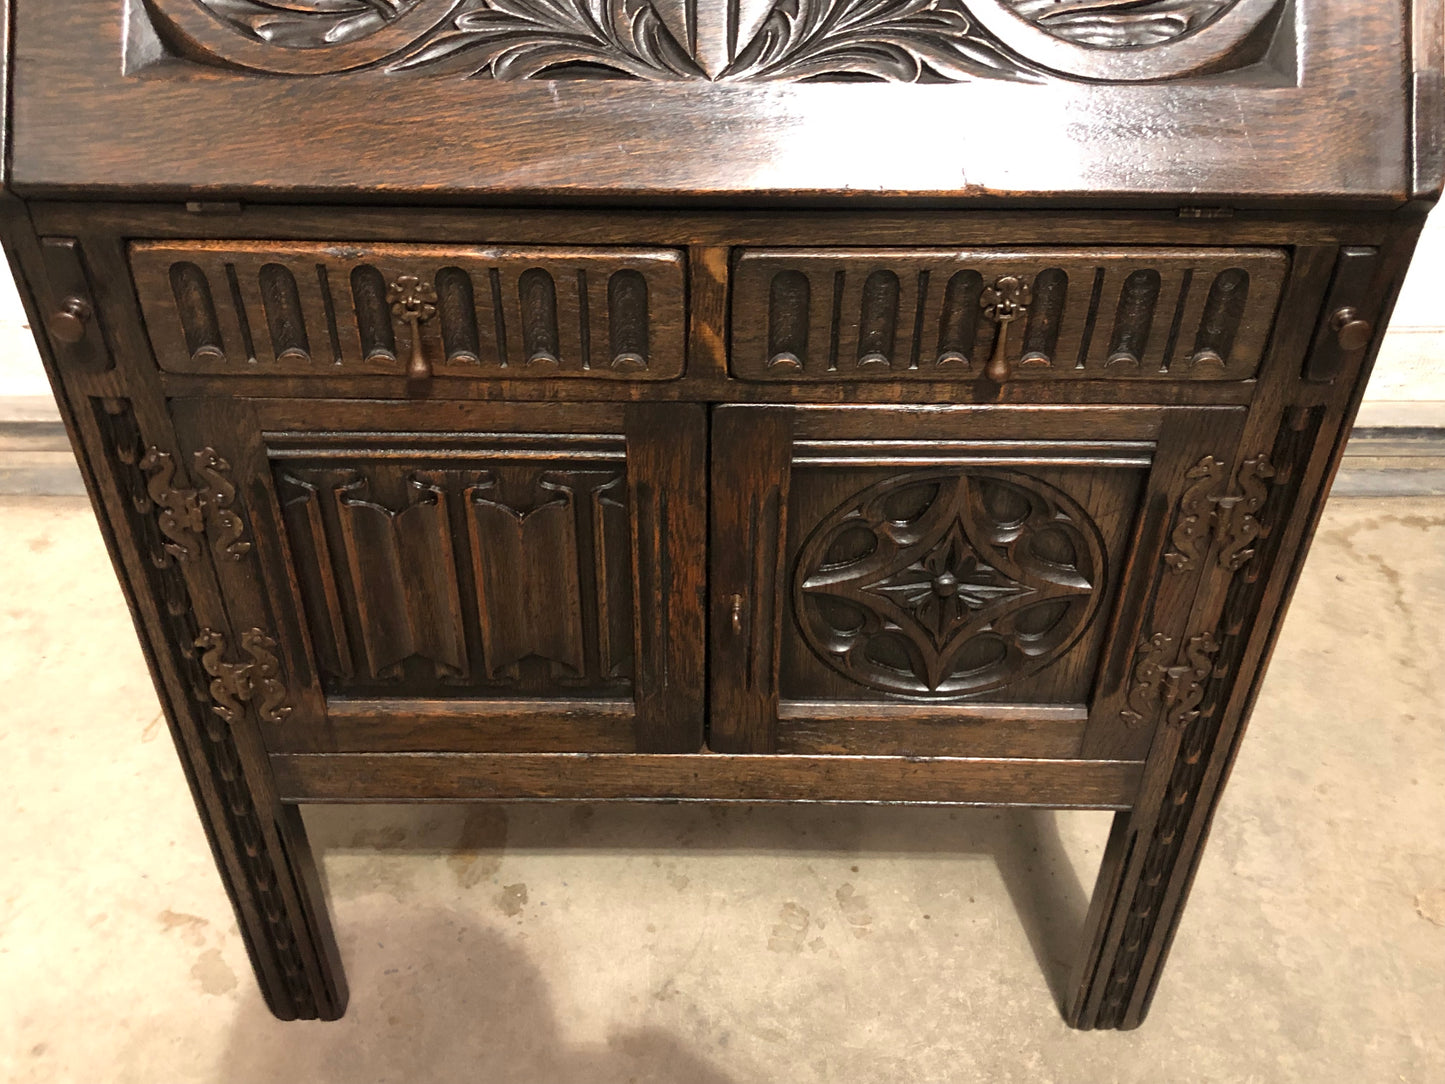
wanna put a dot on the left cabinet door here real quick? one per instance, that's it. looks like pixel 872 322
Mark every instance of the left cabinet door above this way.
pixel 445 576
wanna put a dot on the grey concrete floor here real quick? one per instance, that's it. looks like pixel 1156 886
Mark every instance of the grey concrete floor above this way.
pixel 591 944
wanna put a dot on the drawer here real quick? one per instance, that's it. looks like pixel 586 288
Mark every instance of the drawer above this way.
pixel 328 310
pixel 904 314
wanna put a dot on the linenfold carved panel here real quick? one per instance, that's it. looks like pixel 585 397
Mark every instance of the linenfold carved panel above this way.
pixel 500 577
pixel 738 40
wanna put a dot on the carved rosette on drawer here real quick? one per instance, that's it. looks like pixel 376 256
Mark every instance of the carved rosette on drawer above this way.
pixel 944 582
pixel 1101 314
pixel 500 578
pixel 305 309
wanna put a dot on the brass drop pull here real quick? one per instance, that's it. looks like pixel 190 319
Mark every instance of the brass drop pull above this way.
pixel 738 614
pixel 1003 303
pixel 415 302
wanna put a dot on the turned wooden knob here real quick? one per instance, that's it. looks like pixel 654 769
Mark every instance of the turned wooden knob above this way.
pixel 1351 332
pixel 69 323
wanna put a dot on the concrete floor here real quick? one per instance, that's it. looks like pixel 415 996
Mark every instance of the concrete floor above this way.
pixel 597 944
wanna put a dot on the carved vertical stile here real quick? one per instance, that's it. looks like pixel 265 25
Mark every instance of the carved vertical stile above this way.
pixel 666 457
pixel 1188 698
pixel 751 475
pixel 286 934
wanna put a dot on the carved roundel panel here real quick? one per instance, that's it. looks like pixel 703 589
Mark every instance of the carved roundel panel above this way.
pixel 946 582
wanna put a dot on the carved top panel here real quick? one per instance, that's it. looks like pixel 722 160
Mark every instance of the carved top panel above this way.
pixel 709 40
pixel 1222 103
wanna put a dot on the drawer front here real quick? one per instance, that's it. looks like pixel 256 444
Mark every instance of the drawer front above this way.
pixel 310 309
pixel 895 314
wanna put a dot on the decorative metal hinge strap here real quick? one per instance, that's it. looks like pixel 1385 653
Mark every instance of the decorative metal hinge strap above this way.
pixel 183 512
pixel 1175 691
pixel 232 683
pixel 1232 516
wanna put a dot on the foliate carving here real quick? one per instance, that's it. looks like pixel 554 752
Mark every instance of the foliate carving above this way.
pixel 257 680
pixel 1174 691
pixel 746 40
pixel 1196 717
pixel 182 512
pixel 941 583
pixel 1120 24
pixel 1232 516
pixel 236 814
pixel 308 24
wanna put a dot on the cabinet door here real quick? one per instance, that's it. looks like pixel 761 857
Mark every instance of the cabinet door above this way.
pixel 457 576
pixel 948 580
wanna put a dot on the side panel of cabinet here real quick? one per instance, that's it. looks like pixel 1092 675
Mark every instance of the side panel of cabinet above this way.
pixel 923 582
pixel 461 577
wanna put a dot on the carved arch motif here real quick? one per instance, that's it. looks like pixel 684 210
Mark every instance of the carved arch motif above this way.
pixel 714 41
pixel 946 582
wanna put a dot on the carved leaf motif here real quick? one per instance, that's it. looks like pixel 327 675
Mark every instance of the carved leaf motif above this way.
pixel 664 40
pixel 1120 23
pixel 308 24
pixel 520 39
pixel 899 40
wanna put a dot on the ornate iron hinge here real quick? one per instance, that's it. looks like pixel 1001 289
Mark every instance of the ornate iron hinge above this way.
pixel 1173 690
pixel 183 512
pixel 233 683
pixel 1232 516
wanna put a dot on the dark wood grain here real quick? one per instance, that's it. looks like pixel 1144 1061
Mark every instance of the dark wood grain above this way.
pixel 359 777
pixel 647 409
pixel 441 135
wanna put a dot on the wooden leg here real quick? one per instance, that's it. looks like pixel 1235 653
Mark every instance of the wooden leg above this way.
pixel 1148 866
pixel 259 844
pixel 272 879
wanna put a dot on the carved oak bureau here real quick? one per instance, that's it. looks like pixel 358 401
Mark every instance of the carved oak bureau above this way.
pixel 762 400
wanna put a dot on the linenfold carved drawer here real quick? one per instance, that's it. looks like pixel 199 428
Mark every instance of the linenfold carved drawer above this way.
pixel 894 314
pixel 307 309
